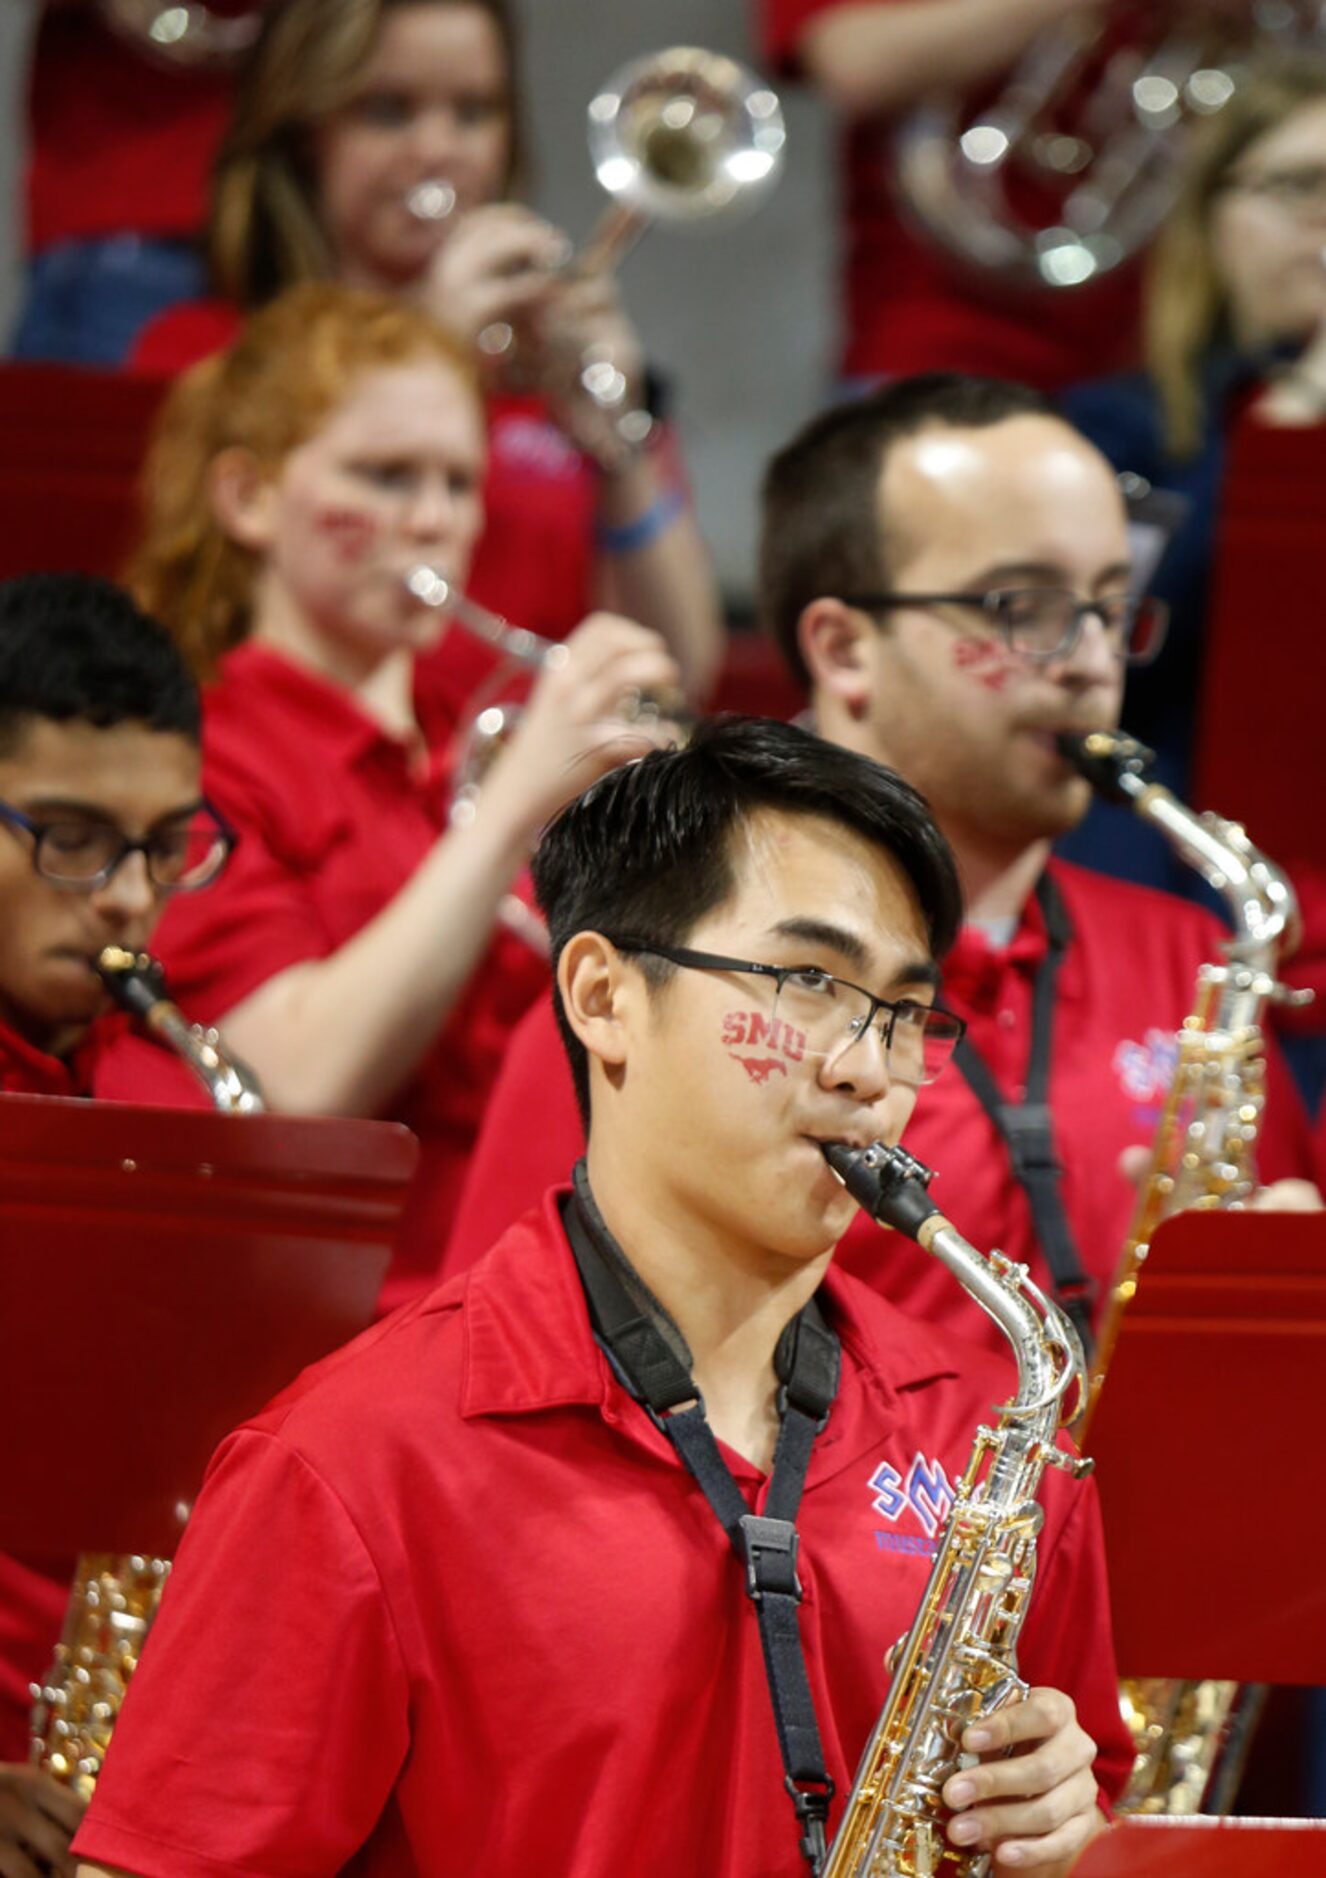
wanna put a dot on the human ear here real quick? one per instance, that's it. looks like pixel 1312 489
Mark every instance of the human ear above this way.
pixel 833 639
pixel 591 979
pixel 243 497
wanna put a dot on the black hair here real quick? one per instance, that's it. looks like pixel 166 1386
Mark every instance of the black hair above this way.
pixel 648 848
pixel 821 532
pixel 75 647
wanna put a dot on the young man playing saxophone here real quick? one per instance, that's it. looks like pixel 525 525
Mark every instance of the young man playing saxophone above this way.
pixel 455 1604
pixel 101 818
pixel 890 528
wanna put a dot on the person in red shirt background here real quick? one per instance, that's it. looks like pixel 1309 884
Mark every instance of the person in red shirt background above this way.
pixel 101 820
pixel 947 486
pixel 489 1620
pixel 907 307
pixel 122 132
pixel 347 110
pixel 358 953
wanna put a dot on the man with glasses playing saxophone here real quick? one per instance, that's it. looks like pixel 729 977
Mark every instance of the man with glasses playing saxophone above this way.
pixel 459 1602
pixel 946 567
pixel 101 820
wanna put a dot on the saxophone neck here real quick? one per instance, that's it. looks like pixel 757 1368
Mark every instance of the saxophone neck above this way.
pixel 891 1185
pixel 1259 897
pixel 137 983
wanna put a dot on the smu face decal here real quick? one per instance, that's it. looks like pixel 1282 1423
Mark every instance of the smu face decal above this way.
pixel 920 1497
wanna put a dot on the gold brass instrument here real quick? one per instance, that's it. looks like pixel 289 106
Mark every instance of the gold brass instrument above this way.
pixel 115 1596
pixel 189 36
pixel 1091 122
pixel 959 1659
pixel 1188 1736
pixel 681 136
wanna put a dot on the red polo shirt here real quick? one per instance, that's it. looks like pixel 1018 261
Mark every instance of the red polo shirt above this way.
pixel 453 1605
pixel 334 817
pixel 908 307
pixel 1125 985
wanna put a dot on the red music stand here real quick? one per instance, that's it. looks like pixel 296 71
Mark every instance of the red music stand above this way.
pixel 1208 1457
pixel 163 1273
pixel 1207 1848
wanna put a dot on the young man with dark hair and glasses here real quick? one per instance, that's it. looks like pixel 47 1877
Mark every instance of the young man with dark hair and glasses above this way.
pixel 945 564
pixel 457 1603
pixel 101 820
pixel 101 813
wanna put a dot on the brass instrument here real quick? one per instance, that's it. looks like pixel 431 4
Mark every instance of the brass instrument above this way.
pixel 494 717
pixel 137 983
pixel 1188 1735
pixel 188 36
pixel 1091 119
pixel 115 1597
pixel 959 1659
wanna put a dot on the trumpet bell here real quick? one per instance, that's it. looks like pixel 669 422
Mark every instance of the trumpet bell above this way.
pixel 685 134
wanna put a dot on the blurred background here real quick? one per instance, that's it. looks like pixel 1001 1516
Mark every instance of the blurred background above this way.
pixel 746 308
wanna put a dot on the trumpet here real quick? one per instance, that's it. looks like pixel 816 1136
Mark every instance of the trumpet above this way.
pixel 494 717
pixel 191 37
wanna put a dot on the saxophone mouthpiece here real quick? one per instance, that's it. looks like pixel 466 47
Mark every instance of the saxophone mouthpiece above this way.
pixel 1116 765
pixel 888 1182
pixel 134 979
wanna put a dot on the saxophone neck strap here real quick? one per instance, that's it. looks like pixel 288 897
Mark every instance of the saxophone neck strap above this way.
pixel 1027 1127
pixel 649 1355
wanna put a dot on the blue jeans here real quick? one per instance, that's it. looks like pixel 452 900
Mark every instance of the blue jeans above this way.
pixel 87 301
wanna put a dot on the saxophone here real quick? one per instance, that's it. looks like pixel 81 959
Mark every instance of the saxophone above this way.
pixel 959 1659
pixel 1188 1736
pixel 115 1597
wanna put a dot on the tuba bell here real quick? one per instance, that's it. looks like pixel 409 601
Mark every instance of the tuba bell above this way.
pixel 1069 171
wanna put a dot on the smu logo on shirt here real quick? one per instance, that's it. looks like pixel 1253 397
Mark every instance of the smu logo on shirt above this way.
pixel 924 1491
pixel 1146 1070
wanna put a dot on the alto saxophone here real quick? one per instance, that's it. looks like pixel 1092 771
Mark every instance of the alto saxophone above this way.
pixel 1188 1736
pixel 115 1597
pixel 959 1659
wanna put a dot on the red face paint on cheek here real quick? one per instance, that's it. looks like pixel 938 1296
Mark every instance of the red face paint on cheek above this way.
pixel 990 663
pixel 759 1033
pixel 351 534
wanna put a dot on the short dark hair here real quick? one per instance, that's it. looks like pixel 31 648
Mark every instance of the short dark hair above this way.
pixel 820 530
pixel 73 646
pixel 648 848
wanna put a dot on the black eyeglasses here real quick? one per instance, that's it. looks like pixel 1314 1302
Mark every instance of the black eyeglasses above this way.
pixel 814 1014
pixel 82 854
pixel 1045 623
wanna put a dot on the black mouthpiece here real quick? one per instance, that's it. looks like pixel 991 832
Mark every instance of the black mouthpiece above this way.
pixel 135 981
pixel 1106 758
pixel 888 1182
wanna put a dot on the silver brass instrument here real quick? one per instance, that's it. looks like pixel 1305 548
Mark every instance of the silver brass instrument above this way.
pixel 1188 1735
pixel 136 982
pixel 115 1597
pixel 1093 119
pixel 959 1659
pixel 188 35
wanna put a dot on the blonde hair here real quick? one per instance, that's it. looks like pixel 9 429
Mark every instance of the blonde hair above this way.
pixel 1186 310
pixel 265 231
pixel 293 363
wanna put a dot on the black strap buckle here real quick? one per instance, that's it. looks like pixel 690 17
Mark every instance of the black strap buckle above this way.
pixel 1030 1139
pixel 811 1803
pixel 771 1557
